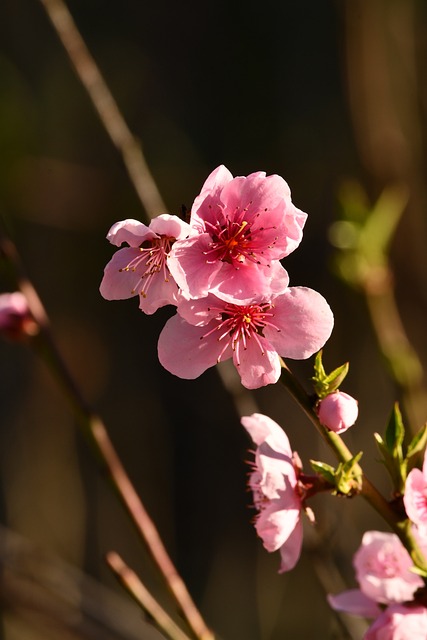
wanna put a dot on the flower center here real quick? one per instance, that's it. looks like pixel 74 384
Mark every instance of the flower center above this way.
pixel 233 239
pixel 150 261
pixel 238 324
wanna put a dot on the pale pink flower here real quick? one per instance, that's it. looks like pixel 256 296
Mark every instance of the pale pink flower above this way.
pixel 16 321
pixel 338 411
pixel 294 324
pixel 399 622
pixel 383 571
pixel 274 486
pixel 141 269
pixel 383 568
pixel 243 225
pixel 415 498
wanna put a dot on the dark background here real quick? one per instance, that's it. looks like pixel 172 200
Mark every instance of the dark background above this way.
pixel 318 92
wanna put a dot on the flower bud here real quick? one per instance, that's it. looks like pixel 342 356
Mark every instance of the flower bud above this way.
pixel 16 321
pixel 338 411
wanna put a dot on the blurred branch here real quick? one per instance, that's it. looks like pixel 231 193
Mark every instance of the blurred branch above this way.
pixel 106 106
pixel 96 433
pixel 363 237
pixel 41 589
pixel 143 597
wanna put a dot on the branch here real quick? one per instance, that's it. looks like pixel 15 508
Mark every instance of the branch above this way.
pixel 104 103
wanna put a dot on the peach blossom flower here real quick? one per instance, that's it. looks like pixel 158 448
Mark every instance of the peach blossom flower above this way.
pixel 243 225
pixel 141 269
pixel 274 486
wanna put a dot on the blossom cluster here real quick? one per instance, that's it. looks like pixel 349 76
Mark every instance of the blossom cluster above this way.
pixel 389 591
pixel 223 273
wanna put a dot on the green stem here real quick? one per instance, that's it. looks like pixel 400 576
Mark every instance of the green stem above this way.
pixel 368 491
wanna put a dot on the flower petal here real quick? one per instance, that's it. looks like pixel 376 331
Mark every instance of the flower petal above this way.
pixel 257 368
pixel 304 320
pixel 354 601
pixel 118 283
pixel 131 231
pixel 186 351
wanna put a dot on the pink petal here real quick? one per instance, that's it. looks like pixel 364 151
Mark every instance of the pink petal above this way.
pixel 130 231
pixel 209 197
pixel 183 350
pixel 242 286
pixel 117 284
pixel 160 293
pixel 188 264
pixel 305 321
pixel 171 226
pixel 274 525
pixel 262 429
pixel 355 602
pixel 290 551
pixel 415 498
pixel 257 368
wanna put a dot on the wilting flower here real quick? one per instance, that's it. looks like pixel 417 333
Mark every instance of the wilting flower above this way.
pixel 16 321
pixel 141 269
pixel 243 225
pixel 294 324
pixel 338 411
pixel 274 486
pixel 399 622
pixel 415 498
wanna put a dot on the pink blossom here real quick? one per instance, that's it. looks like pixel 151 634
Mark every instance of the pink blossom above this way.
pixel 141 269
pixel 338 411
pixel 415 498
pixel 294 324
pixel 383 566
pixel 399 622
pixel 243 225
pixel 274 486
pixel 16 321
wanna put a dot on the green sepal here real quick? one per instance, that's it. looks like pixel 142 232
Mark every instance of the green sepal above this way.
pixel 347 480
pixel 324 470
pixel 418 571
pixel 324 383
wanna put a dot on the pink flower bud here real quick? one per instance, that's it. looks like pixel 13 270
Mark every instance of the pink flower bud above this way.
pixel 338 411
pixel 16 321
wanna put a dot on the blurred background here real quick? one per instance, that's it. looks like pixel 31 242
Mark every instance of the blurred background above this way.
pixel 332 96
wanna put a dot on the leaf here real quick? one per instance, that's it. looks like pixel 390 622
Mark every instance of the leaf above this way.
pixel 418 442
pixel 325 470
pixel 395 433
pixel 336 377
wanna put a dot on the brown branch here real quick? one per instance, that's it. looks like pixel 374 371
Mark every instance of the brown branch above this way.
pixel 104 103
pixel 143 597
pixel 97 435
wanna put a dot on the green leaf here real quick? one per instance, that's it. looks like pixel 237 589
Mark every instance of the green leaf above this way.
pixel 418 442
pixel 395 433
pixel 334 379
pixel 325 470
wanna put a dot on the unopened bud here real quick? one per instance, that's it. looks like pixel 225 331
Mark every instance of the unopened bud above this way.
pixel 16 321
pixel 338 411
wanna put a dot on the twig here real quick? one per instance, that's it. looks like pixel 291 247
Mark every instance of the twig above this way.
pixel 143 597
pixel 95 431
pixel 368 491
pixel 106 106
